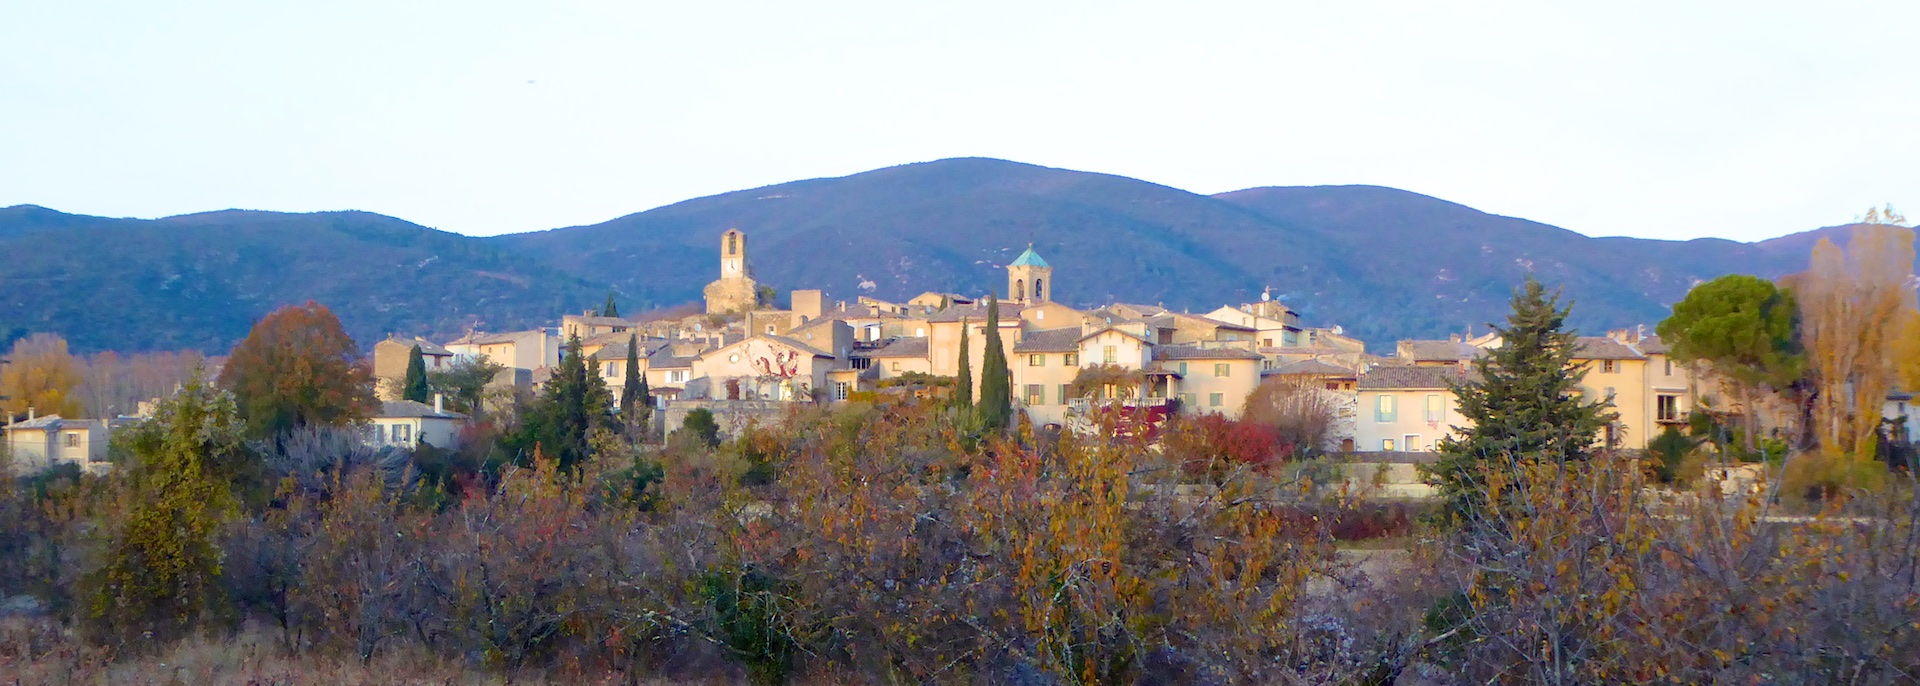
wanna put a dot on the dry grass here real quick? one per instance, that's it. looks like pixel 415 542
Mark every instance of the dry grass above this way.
pixel 39 651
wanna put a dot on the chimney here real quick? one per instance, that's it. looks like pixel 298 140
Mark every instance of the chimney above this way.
pixel 439 403
pixel 29 413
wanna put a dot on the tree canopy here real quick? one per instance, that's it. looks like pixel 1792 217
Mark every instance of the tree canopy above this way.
pixel 41 374
pixel 296 368
pixel 1743 326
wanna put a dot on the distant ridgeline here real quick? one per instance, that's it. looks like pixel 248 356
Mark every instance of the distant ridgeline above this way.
pixel 1384 263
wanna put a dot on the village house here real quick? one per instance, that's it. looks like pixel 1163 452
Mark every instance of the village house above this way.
pixel 1406 408
pixel 408 424
pixel 40 442
pixel 390 363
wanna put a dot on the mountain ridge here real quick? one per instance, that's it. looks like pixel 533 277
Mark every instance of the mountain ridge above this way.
pixel 1386 263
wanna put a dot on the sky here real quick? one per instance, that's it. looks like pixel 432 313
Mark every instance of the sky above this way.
pixel 1742 120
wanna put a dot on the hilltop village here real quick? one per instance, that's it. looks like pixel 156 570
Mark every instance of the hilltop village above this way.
pixel 744 358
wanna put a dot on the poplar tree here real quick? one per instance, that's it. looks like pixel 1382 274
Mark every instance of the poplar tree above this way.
pixel 415 387
pixel 963 386
pixel 996 382
pixel 1524 406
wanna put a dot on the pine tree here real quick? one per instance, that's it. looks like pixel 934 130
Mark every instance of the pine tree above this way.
pixel 1525 405
pixel 996 381
pixel 610 309
pixel 574 403
pixel 963 386
pixel 415 387
pixel 634 407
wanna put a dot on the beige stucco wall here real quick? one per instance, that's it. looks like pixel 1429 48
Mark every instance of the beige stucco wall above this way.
pixel 1201 380
pixel 441 433
pixel 943 346
pixel 1410 417
pixel 1052 374
pixel 742 361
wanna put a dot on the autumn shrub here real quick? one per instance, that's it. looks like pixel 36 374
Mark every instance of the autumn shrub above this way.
pixel 1211 444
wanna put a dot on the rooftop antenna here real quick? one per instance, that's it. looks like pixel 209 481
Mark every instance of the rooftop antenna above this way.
pixel 1266 294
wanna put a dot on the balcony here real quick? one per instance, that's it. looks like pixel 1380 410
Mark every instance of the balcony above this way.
pixel 1084 405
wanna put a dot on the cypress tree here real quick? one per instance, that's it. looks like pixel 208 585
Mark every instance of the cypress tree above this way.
pixel 610 309
pixel 996 381
pixel 573 403
pixel 415 387
pixel 633 392
pixel 1525 405
pixel 963 386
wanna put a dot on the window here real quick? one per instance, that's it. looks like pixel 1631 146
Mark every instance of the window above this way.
pixel 613 369
pixel 1036 360
pixel 1435 411
pixel 1221 369
pixel 1667 408
pixel 1266 342
pixel 1669 364
pixel 73 439
pixel 840 390
pixel 1036 395
pixel 1063 394
pixel 1410 442
pixel 1385 408
pixel 402 433
pixel 1071 359
pixel 1215 400
pixel 1609 366
pixel 1109 354
pixel 1186 398
pixel 769 329
pixel 1183 369
pixel 1039 291
pixel 1386 444
pixel 894 365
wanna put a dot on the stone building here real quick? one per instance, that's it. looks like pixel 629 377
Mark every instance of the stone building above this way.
pixel 735 290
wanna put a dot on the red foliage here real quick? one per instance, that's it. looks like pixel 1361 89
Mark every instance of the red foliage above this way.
pixel 1211 441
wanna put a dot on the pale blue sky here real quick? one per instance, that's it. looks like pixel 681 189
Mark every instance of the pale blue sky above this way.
pixel 1658 119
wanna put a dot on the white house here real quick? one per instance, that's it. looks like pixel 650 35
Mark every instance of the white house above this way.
pixel 407 424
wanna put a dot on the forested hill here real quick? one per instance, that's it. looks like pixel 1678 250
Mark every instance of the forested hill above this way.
pixel 1385 263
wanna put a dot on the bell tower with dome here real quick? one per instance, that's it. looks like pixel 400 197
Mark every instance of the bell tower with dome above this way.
pixel 1029 279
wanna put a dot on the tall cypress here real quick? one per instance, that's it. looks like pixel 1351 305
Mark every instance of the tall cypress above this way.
pixel 996 381
pixel 1525 404
pixel 963 386
pixel 573 403
pixel 415 387
pixel 633 392
pixel 610 309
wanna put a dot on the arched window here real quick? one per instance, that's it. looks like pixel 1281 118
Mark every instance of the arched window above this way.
pixel 733 244
pixel 1019 289
pixel 1038 292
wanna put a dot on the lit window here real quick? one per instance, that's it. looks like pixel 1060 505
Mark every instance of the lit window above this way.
pixel 1386 444
pixel 1035 394
pixel 839 390
pixel 1071 359
pixel 1036 360
pixel 1435 411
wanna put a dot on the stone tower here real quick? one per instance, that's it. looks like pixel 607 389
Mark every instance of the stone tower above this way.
pixel 1029 279
pixel 735 290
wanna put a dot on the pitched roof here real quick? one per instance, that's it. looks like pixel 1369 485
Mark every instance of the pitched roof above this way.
pixel 50 421
pixel 1309 368
pixel 902 347
pixel 1604 348
pixel 1437 350
pixel 1396 377
pixel 801 346
pixel 426 347
pixel 665 359
pixel 395 409
pixel 1652 345
pixel 1028 259
pixel 976 312
pixel 1115 329
pixel 1194 352
pixel 1168 319
pixel 1062 340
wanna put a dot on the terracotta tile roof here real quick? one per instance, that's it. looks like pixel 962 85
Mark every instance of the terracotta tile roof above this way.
pixel 1437 351
pixel 1397 377
pixel 396 409
pixel 1194 352
pixel 1310 368
pixel 1062 340
pixel 902 347
pixel 1652 345
pixel 426 347
pixel 1604 348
